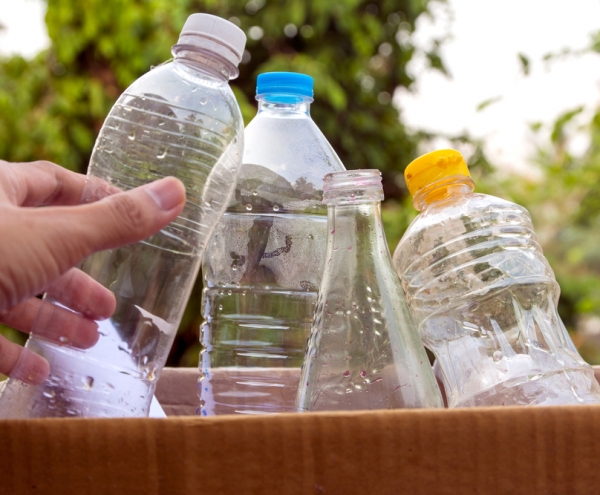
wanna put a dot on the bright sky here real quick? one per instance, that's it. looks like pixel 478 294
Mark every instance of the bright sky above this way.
pixel 483 63
pixel 481 57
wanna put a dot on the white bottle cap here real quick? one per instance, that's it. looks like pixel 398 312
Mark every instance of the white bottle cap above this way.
pixel 215 34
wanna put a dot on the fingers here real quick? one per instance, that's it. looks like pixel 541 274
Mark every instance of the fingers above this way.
pixel 51 322
pixel 22 364
pixel 81 293
pixel 43 243
pixel 40 183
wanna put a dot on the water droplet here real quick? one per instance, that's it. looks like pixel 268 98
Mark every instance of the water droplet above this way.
pixel 196 89
pixel 254 193
pixel 249 207
pixel 88 382
pixel 150 374
pixel 50 394
pixel 349 248
pixel 63 340
pixel 127 109
pixel 497 356
pixel 145 360
pixel 162 154
pixel 311 237
pixel 220 307
pixel 161 123
pixel 229 292
pixel 347 373
pixel 131 136
pixel 204 101
pixel 363 373
pixel 275 208
pixel 234 268
pixel 333 231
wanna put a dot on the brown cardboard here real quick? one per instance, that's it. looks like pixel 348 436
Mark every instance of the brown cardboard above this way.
pixel 546 450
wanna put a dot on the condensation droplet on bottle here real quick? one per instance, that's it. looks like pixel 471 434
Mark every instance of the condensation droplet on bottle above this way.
pixel 333 231
pixel 249 207
pixel 204 101
pixel 88 382
pixel 229 292
pixel 363 373
pixel 131 136
pixel 162 154
pixel 150 374
pixel 49 394
pixel 234 268
pixel 275 208
pixel 349 248
pixel 145 360
pixel 347 373
pixel 196 89
pixel 497 356
pixel 63 340
pixel 254 193
pixel 161 123
pixel 220 307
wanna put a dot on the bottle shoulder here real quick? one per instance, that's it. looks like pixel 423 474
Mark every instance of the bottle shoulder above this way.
pixel 187 94
pixel 468 212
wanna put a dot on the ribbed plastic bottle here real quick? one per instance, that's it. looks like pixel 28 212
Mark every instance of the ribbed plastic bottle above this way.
pixel 181 119
pixel 264 263
pixel 364 351
pixel 484 296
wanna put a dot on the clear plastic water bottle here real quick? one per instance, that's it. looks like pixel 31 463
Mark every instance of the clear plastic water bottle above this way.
pixel 364 351
pixel 484 296
pixel 264 263
pixel 181 119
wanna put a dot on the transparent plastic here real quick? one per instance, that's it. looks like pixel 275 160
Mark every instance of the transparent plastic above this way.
pixel 181 119
pixel 364 351
pixel 484 298
pixel 264 264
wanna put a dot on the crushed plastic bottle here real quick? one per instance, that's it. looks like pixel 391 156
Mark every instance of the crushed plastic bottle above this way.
pixel 364 351
pixel 484 296
pixel 181 119
pixel 264 263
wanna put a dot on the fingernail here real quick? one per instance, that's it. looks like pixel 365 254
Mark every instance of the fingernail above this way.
pixel 167 193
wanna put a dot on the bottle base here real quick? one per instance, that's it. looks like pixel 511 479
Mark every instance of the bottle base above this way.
pixel 570 387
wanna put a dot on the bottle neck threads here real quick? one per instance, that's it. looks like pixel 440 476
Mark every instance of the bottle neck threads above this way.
pixel 205 61
pixel 441 189
pixel 352 187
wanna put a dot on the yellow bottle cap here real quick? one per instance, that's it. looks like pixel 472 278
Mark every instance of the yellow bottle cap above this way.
pixel 433 166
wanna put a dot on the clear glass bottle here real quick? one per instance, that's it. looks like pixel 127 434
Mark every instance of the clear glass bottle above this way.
pixel 181 119
pixel 364 351
pixel 265 260
pixel 483 295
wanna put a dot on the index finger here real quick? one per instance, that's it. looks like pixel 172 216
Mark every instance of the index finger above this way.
pixel 40 183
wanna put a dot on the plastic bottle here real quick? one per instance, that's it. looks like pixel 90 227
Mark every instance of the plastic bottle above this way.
pixel 484 296
pixel 265 260
pixel 364 351
pixel 180 119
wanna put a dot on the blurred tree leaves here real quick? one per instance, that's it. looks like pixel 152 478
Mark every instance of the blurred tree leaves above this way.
pixel 52 106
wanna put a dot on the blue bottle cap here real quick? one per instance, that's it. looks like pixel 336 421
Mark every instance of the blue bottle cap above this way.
pixel 286 86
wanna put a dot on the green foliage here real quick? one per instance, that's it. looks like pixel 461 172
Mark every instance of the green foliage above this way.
pixel 52 107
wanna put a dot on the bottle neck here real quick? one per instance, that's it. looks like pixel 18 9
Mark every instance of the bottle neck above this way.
pixel 274 104
pixel 355 232
pixel 443 189
pixel 205 61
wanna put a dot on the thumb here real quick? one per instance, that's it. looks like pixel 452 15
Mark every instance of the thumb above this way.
pixel 114 221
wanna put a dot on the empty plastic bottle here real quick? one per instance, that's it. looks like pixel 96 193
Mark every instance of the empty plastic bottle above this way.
pixel 264 263
pixel 484 296
pixel 364 351
pixel 180 119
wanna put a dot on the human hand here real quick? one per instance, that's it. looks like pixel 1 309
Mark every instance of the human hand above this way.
pixel 40 246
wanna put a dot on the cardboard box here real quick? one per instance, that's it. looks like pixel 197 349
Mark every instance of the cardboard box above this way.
pixel 545 450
